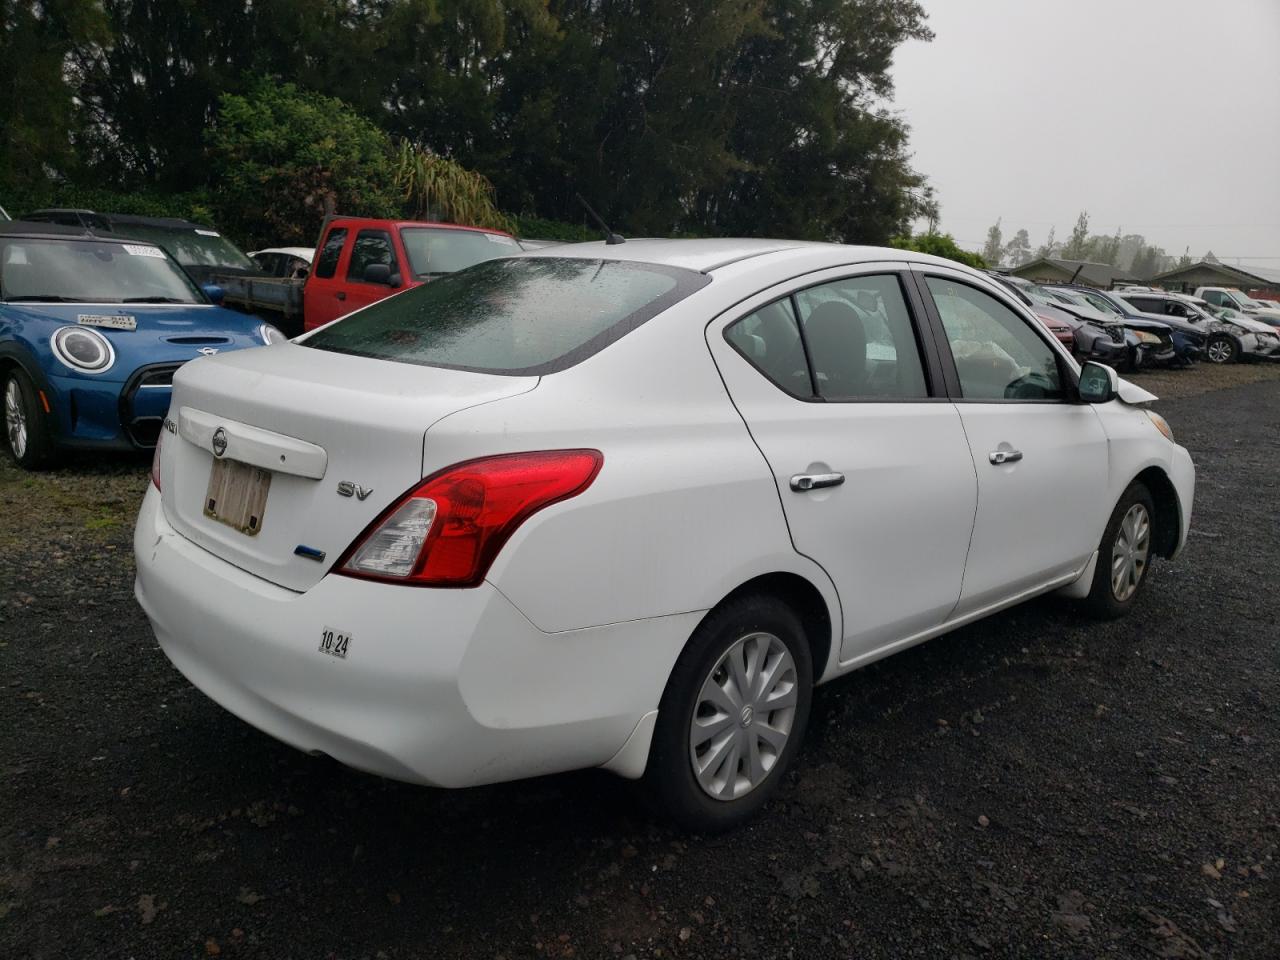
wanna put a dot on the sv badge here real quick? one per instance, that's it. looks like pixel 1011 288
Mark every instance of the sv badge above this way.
pixel 348 489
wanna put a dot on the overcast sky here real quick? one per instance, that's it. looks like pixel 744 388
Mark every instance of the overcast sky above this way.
pixel 1161 117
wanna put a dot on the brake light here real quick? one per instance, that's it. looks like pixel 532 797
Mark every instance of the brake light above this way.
pixel 448 529
pixel 155 461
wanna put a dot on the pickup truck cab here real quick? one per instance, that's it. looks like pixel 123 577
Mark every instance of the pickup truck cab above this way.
pixel 1237 300
pixel 361 260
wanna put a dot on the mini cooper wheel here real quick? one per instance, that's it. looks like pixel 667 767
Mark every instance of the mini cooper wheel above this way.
pixel 1124 556
pixel 25 427
pixel 732 716
pixel 1221 349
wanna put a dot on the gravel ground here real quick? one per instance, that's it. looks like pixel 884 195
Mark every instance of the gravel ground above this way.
pixel 1033 785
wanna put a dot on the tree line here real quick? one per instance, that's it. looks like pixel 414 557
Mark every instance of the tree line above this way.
pixel 1127 252
pixel 672 116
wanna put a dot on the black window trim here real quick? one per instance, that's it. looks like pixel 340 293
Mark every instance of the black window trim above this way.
pixel 931 365
pixel 1069 378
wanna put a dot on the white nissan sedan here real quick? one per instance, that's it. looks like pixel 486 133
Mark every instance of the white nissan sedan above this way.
pixel 624 505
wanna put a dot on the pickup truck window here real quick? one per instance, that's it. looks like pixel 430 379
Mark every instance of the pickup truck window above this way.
pixel 327 262
pixel 371 246
pixel 433 251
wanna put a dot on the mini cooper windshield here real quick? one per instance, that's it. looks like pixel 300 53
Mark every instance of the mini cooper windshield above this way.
pixel 517 316
pixel 90 271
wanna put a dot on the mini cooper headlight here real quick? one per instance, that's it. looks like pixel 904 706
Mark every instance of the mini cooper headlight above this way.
pixel 271 335
pixel 83 349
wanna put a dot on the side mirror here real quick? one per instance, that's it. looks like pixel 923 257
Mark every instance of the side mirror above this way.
pixel 214 292
pixel 1098 383
pixel 377 273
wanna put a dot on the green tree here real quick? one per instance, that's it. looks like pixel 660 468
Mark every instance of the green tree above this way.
pixel 939 245
pixel 1185 260
pixel 1077 246
pixel 1050 247
pixel 993 252
pixel 1019 250
pixel 40 122
pixel 281 155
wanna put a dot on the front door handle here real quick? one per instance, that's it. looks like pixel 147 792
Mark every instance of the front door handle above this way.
pixel 341 295
pixel 1004 456
pixel 813 481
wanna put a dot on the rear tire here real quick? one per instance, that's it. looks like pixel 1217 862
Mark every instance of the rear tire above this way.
pixel 1124 555
pixel 26 426
pixel 718 755
pixel 1221 349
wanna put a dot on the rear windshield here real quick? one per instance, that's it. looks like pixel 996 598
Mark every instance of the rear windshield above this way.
pixel 433 250
pixel 517 316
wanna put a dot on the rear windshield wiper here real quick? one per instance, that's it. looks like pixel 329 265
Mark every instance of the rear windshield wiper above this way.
pixel 44 298
pixel 155 300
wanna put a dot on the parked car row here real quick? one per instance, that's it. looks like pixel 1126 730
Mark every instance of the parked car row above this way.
pixel 1158 328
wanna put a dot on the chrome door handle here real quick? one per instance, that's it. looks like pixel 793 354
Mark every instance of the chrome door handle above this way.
pixel 1004 456
pixel 812 481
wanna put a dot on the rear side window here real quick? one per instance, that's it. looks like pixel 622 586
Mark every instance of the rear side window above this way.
pixel 858 342
pixel 327 262
pixel 371 246
pixel 770 341
pixel 521 316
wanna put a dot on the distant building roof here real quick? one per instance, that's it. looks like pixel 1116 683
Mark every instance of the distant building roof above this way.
pixel 1232 275
pixel 1085 271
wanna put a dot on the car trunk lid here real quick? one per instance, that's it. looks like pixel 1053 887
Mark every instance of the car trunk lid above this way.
pixel 327 441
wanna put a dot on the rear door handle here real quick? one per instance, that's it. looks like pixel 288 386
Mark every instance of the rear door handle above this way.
pixel 1004 456
pixel 812 481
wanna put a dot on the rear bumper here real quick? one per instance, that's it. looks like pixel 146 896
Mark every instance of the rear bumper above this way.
pixel 450 688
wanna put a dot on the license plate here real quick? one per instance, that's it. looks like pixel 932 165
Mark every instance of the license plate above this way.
pixel 237 495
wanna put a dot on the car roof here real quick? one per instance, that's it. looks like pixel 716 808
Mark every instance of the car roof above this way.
pixel 304 253
pixel 706 255
pixel 398 224
pixel 37 229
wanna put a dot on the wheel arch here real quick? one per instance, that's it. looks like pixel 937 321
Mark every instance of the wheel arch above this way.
pixel 1168 518
pixel 804 597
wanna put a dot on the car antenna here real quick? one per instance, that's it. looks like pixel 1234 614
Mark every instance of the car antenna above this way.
pixel 610 238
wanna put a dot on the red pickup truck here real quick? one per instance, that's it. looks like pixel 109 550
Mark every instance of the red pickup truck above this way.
pixel 360 260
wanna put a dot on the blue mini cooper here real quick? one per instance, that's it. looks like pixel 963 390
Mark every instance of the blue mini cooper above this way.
pixel 92 328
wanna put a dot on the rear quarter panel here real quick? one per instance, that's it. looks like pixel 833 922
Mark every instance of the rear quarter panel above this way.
pixel 684 509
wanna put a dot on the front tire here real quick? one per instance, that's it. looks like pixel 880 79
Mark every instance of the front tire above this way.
pixel 26 428
pixel 733 715
pixel 1124 555
pixel 1221 349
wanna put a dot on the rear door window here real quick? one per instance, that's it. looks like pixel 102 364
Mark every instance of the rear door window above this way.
pixel 522 316
pixel 330 253
pixel 861 340
pixel 769 339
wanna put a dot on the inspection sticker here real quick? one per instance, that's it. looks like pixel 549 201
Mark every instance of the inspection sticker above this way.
pixel 334 642
pixel 137 251
pixel 111 322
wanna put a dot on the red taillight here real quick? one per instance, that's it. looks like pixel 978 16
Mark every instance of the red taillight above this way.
pixel 155 461
pixel 448 529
